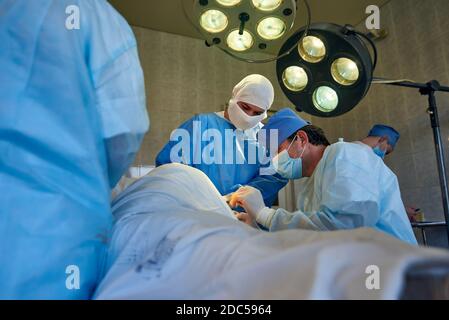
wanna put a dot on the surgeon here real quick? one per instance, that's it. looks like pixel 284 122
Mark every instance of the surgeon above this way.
pixel 348 187
pixel 224 145
pixel 72 117
pixel 382 139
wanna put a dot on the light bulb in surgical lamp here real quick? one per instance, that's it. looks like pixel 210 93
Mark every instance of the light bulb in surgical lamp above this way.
pixel 271 28
pixel 267 5
pixel 345 71
pixel 240 42
pixel 229 3
pixel 325 99
pixel 213 21
pixel 312 49
pixel 295 78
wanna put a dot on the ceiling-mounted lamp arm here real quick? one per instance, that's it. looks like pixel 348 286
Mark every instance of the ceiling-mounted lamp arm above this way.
pixel 432 85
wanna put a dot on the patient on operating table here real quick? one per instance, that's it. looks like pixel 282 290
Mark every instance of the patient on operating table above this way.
pixel 175 237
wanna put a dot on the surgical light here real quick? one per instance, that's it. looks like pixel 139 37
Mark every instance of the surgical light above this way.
pixel 214 21
pixel 250 30
pixel 240 42
pixel 229 3
pixel 267 5
pixel 271 28
pixel 312 49
pixel 295 78
pixel 325 99
pixel 345 71
pixel 338 64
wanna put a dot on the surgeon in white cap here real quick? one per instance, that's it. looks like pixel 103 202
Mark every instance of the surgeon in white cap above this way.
pixel 231 163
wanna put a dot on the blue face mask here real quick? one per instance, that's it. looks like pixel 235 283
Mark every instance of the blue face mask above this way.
pixel 286 166
pixel 379 152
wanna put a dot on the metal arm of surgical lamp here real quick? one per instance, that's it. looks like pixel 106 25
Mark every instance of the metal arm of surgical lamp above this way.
pixel 428 89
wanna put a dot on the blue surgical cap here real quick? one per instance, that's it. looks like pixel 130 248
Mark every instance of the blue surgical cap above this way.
pixel 286 121
pixel 380 130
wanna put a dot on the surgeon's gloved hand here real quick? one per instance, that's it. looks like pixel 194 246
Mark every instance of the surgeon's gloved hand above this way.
pixel 245 218
pixel 252 201
pixel 233 189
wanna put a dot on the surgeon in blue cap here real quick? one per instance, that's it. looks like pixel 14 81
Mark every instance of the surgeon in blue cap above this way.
pixel 284 122
pixel 382 139
pixel 348 186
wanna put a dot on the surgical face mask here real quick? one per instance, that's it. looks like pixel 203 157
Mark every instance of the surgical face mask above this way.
pixel 286 166
pixel 379 152
pixel 240 119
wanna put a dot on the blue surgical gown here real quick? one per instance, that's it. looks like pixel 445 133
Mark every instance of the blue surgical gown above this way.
pixel 72 116
pixel 350 188
pixel 227 176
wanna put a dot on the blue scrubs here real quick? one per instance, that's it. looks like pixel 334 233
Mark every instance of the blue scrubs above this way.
pixel 72 117
pixel 229 177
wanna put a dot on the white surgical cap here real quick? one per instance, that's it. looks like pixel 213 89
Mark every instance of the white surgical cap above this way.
pixel 254 89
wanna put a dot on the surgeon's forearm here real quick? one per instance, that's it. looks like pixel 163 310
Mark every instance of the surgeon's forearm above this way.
pixel 269 186
pixel 265 216
pixel 280 219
